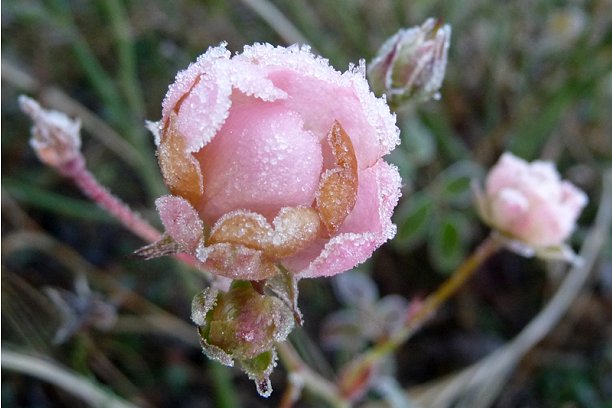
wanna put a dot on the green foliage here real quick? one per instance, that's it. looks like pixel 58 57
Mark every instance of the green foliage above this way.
pixel 440 216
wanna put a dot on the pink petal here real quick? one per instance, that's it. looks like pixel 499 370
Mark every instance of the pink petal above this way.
pixel 250 79
pixel 236 262
pixel 322 95
pixel 185 79
pixel 508 206
pixel 573 199
pixel 181 221
pixel 365 229
pixel 261 160
pixel 204 109
pixel 508 172
pixel 546 225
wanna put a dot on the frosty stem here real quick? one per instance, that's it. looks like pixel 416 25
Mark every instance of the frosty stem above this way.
pixel 87 183
pixel 364 363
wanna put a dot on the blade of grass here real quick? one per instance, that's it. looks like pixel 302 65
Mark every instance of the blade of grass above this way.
pixel 277 21
pixel 128 79
pixel 101 81
pixel 62 377
pixel 128 75
pixel 104 85
pixel 225 392
pixel 53 202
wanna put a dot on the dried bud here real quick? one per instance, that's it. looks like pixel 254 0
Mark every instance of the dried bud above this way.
pixel 412 63
pixel 242 325
pixel 81 309
pixel 55 138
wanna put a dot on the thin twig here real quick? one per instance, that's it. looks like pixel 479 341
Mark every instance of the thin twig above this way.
pixel 351 380
pixel 62 377
pixel 101 196
pixel 311 380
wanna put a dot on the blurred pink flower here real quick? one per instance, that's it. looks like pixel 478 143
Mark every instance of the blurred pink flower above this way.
pixel 273 157
pixel 529 203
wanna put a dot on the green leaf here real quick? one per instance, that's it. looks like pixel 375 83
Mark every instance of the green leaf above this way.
pixel 413 219
pixel 53 202
pixel 259 364
pixel 418 141
pixel 259 369
pixel 447 246
pixel 455 182
pixel 448 142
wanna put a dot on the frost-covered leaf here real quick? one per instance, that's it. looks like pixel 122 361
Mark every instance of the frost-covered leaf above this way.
pixel 259 369
pixel 391 313
pixel 285 287
pixel 337 193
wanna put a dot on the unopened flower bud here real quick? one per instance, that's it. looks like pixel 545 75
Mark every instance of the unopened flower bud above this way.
pixel 55 138
pixel 531 207
pixel 242 325
pixel 411 64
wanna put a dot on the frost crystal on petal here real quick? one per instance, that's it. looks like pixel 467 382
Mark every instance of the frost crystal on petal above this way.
pixel 181 221
pixel 337 192
pixel 180 169
pixel 56 138
pixel 201 305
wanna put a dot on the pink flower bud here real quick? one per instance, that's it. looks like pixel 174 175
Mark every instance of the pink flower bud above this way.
pixel 56 138
pixel 280 156
pixel 412 63
pixel 530 204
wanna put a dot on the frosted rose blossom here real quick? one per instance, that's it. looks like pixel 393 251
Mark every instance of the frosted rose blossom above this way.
pixel 529 203
pixel 275 158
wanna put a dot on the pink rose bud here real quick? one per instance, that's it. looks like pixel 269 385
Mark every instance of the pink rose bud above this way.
pixel 56 138
pixel 280 157
pixel 531 205
pixel 412 63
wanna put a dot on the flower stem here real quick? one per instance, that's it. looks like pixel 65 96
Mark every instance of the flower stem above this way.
pixel 88 184
pixel 308 378
pixel 363 363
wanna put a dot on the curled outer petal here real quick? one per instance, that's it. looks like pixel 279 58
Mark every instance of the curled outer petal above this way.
pixel 180 169
pixel 293 229
pixel 337 192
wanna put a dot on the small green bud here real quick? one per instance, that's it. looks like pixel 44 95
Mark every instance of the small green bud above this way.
pixel 242 325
